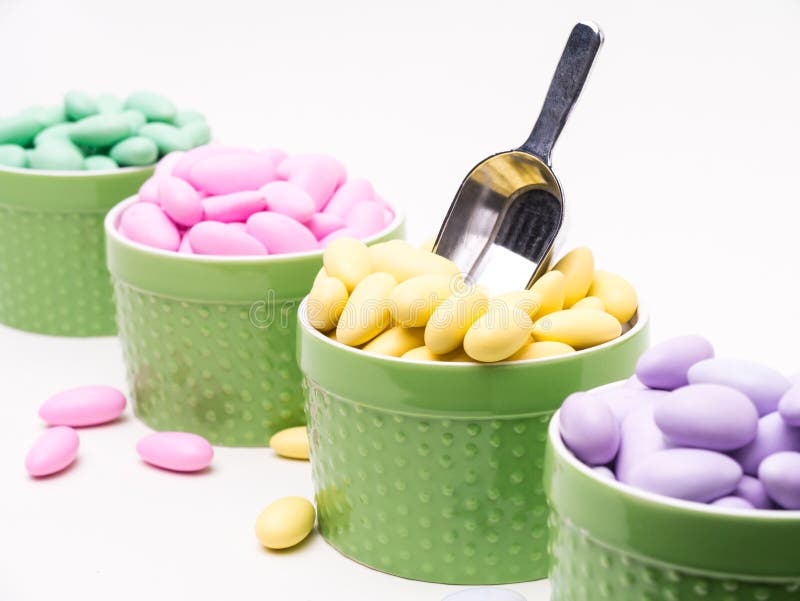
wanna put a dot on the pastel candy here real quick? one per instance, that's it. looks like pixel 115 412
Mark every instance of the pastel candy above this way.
pixel 708 416
pixel 108 103
pixel 176 451
pixel 185 247
pixel 99 163
pixel 154 106
pixel 166 137
pixel 237 206
pixel 52 452
pixel 639 438
pixel 589 429
pixel 604 472
pixel 100 130
pixel 224 173
pixel 184 166
pixel 134 118
pixel 690 474
pixel 763 385
pixel 83 406
pixel 666 364
pixel 752 490
pixel 773 436
pixel 285 522
pixel 215 238
pixel 59 131
pixel 348 195
pixel 365 219
pixel 484 593
pixel 780 474
pixel 196 132
pixel 21 129
pixel 275 155
pixel 323 224
pixel 147 224
pixel 622 400
pixel 180 201
pixel 280 234
pixel 12 155
pixel 288 199
pixel 47 115
pixel 56 154
pixel 79 105
pixel 149 191
pixel 733 502
pixel 184 117
pixel 345 232
pixel 789 406
pixel 319 175
pixel 134 151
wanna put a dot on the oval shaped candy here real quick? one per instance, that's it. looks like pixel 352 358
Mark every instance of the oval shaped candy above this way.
pixel 180 201
pixel 666 365
pixel 319 175
pixel 395 342
pixel 589 429
pixel 237 206
pixel 291 442
pixel 83 406
pixel 134 152
pixel 13 155
pixel 53 451
pixel 365 219
pixel 349 194
pixel 780 474
pixel 763 385
pixel 733 502
pixel 99 163
pixel 529 301
pixel 752 490
pixel 224 173
pixel 688 474
pixel 100 130
pixel 499 333
pixel 196 132
pixel 366 313
pixel 453 317
pixel 551 288
pixel 590 302
pixel 789 406
pixel 20 130
pixel 148 192
pixel 617 295
pixel 325 304
pixel 166 165
pixel 623 400
pixel 639 438
pixel 79 105
pixel 774 435
pixel 323 224
pixel 47 115
pixel 108 103
pixel 215 238
pixel 413 301
pixel 290 200
pixel 147 224
pixel 347 259
pixel 185 116
pixel 578 269
pixel 134 118
pixel 404 261
pixel 56 154
pixel 166 137
pixel 176 451
pixel 540 350
pixel 153 106
pixel 285 522
pixel 578 329
pixel 707 416
pixel 280 234
pixel 59 131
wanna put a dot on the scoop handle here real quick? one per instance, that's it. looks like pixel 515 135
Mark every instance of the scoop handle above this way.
pixel 573 68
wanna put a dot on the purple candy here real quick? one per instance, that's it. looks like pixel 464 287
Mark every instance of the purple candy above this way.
pixel 763 385
pixel 789 406
pixel 773 436
pixel 707 416
pixel 752 490
pixel 634 382
pixel 733 502
pixel 589 429
pixel 689 474
pixel 604 472
pixel 624 399
pixel 780 474
pixel 665 365
pixel 639 438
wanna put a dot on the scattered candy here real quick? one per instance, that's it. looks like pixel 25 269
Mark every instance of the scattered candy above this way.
pixel 83 406
pixel 291 443
pixel 53 451
pixel 176 451
pixel 285 522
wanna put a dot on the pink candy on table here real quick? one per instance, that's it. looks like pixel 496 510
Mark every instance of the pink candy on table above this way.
pixel 83 406
pixel 281 234
pixel 176 451
pixel 53 451
pixel 215 238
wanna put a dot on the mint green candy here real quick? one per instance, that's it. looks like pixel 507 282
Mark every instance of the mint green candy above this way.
pixel 13 155
pixel 46 115
pixel 99 162
pixel 154 106
pixel 108 103
pixel 167 138
pixel 135 119
pixel 56 154
pixel 58 131
pixel 186 117
pixel 19 130
pixel 100 130
pixel 79 105
pixel 198 133
pixel 135 151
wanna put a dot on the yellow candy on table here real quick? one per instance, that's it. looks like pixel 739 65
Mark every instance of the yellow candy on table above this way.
pixel 291 443
pixel 366 313
pixel 552 288
pixel 579 329
pixel 450 321
pixel 348 260
pixel 529 301
pixel 413 301
pixel 540 350
pixel 578 269
pixel 590 302
pixel 616 293
pixel 285 523
pixel 499 333
pixel 396 341
pixel 325 303
pixel 404 261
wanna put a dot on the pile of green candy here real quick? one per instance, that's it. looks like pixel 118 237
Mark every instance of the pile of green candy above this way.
pixel 99 133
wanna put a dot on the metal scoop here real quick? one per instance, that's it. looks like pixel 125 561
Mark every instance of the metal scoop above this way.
pixel 502 224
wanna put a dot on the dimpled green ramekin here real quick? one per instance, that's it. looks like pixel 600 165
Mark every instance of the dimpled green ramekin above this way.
pixel 209 342
pixel 53 276
pixel 611 541
pixel 433 471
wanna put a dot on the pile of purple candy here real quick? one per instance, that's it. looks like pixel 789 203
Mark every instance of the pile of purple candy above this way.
pixel 694 427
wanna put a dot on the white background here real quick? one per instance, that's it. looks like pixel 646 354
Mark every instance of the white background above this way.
pixel 680 167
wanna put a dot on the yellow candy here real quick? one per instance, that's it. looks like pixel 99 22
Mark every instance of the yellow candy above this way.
pixel 428 244
pixel 529 301
pixel 396 341
pixel 285 522
pixel 348 260
pixel 449 323
pixel 579 329
pixel 590 302
pixel 578 269
pixel 423 353
pixel 366 313
pixel 321 274
pixel 291 443
pixel 414 300
pixel 616 293
pixel 499 333
pixel 404 261
pixel 325 304
pixel 539 350
pixel 552 288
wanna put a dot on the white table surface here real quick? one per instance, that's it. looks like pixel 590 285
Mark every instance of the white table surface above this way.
pixel 680 167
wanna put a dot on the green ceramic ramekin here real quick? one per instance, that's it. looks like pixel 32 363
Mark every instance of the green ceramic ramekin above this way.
pixel 53 276
pixel 209 342
pixel 611 541
pixel 433 471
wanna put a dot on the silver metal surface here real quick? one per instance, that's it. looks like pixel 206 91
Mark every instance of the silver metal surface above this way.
pixel 502 224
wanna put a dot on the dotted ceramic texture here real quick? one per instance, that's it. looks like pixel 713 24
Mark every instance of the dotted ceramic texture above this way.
pixel 454 501
pixel 214 369
pixel 583 569
pixel 53 278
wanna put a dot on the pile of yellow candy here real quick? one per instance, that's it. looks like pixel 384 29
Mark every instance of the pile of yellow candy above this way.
pixel 399 300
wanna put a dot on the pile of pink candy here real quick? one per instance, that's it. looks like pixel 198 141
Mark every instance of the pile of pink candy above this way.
pixel 220 200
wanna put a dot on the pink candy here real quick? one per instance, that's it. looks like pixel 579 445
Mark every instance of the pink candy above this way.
pixel 176 451
pixel 53 451
pixel 83 406
pixel 240 202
